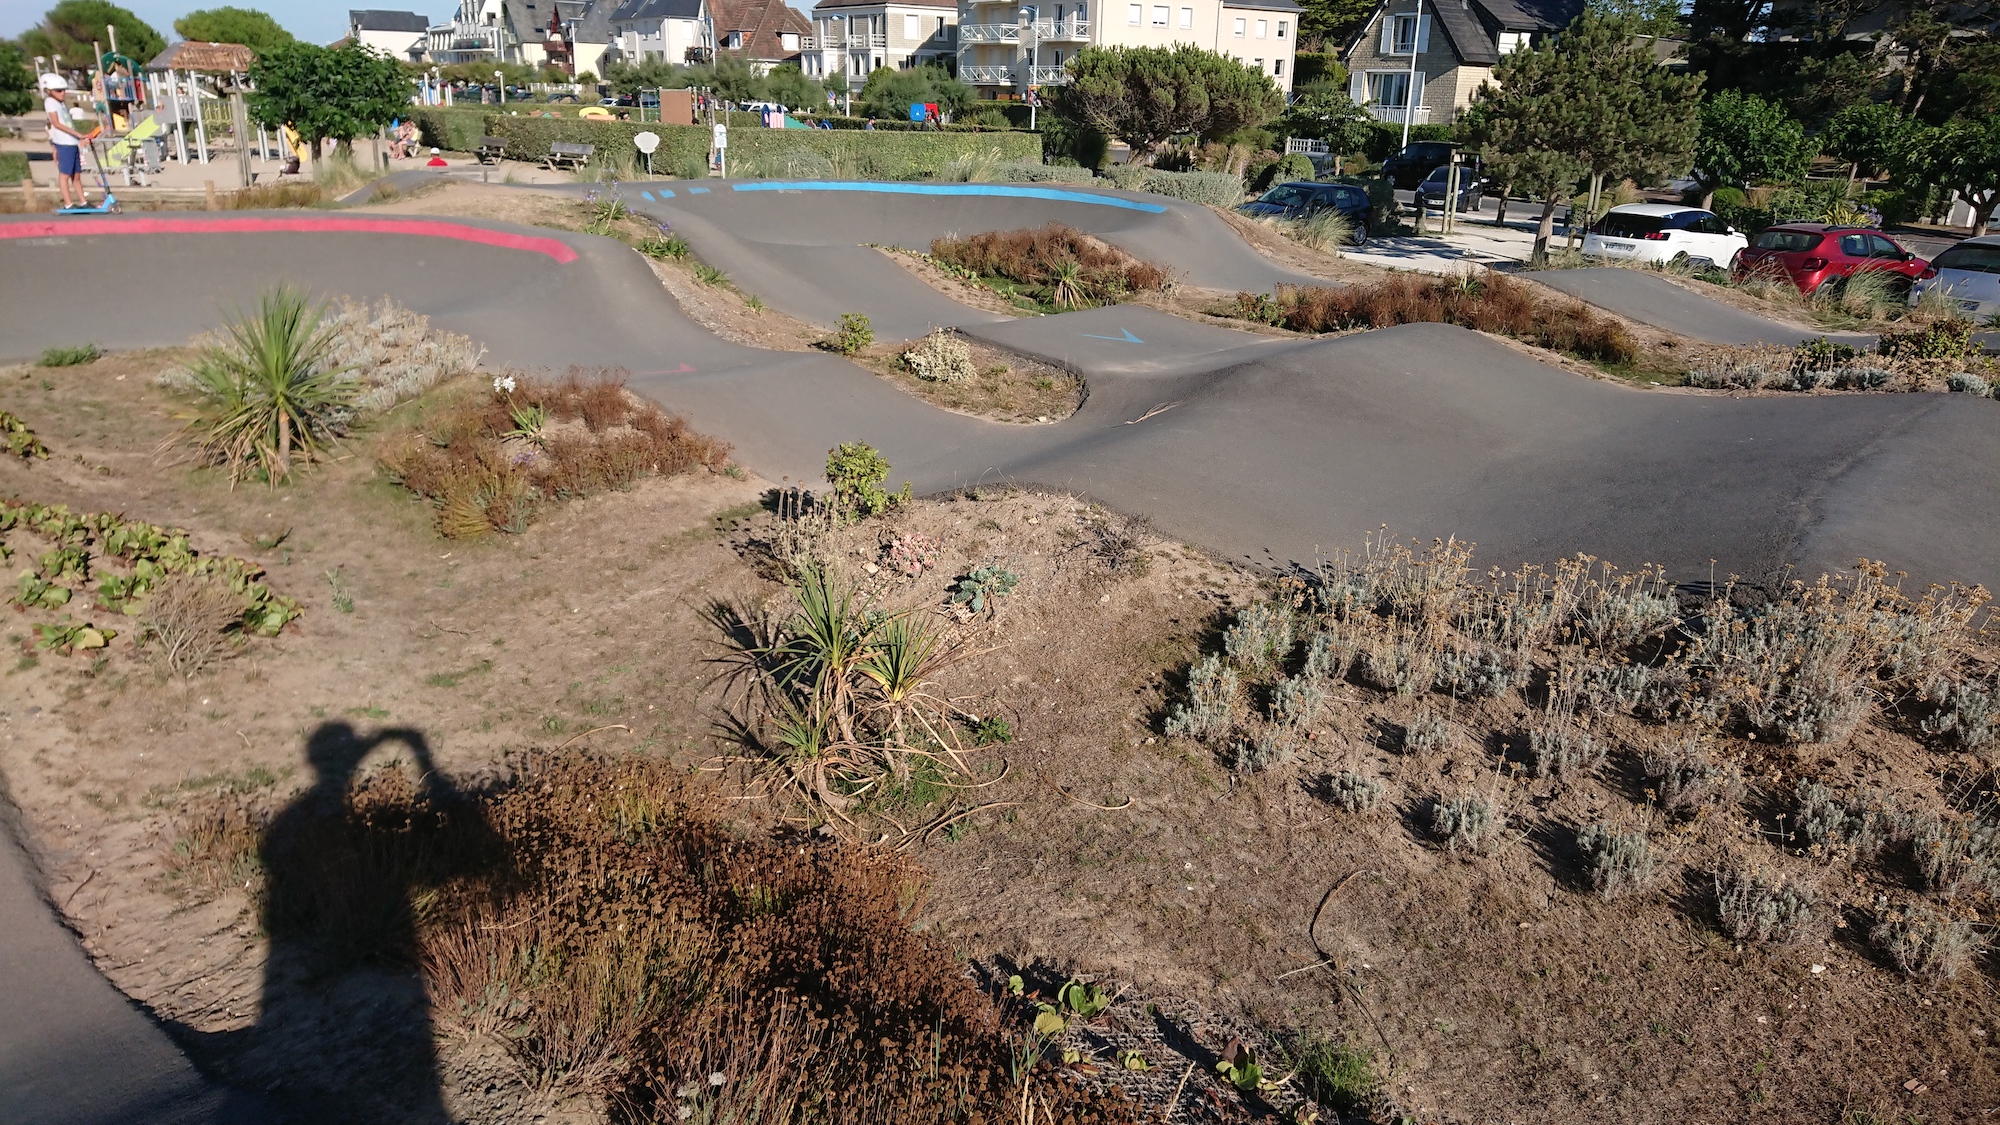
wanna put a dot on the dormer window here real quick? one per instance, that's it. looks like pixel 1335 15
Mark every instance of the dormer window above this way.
pixel 1508 42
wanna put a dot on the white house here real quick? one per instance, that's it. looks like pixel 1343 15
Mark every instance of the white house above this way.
pixel 853 37
pixel 401 34
pixel 676 31
pixel 1006 48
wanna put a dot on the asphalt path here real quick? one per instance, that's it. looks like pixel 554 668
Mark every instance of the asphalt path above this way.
pixel 73 1051
pixel 1265 450
pixel 1648 299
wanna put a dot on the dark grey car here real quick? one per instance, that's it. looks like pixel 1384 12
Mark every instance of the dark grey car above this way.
pixel 1302 199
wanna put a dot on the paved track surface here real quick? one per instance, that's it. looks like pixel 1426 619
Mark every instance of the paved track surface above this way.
pixel 1262 449
pixel 1656 301
pixel 72 1050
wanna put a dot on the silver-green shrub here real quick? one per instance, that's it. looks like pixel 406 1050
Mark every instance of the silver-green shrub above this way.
pixel 940 357
pixel 1968 711
pixel 1862 378
pixel 1217 188
pixel 1209 715
pixel 1426 731
pixel 1353 793
pixel 1967 382
pixel 1261 637
pixel 1924 942
pixel 1473 822
pixel 1295 701
pixel 1754 906
pixel 1562 750
pixel 1479 672
pixel 1042 174
pixel 1956 853
pixel 1272 746
pixel 1685 777
pixel 1833 827
pixel 1617 862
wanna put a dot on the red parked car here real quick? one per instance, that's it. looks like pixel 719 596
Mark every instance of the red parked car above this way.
pixel 1815 254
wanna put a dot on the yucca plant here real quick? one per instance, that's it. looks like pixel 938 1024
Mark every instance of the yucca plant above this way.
pixel 270 390
pixel 1067 285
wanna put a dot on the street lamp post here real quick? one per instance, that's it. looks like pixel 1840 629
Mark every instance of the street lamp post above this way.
pixel 1410 91
pixel 499 79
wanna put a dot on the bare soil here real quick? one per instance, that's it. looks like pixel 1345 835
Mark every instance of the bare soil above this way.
pixel 1008 386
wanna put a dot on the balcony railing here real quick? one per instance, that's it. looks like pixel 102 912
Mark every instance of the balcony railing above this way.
pixel 987 75
pixel 989 32
pixel 1048 76
pixel 1394 114
pixel 1062 30
pixel 838 39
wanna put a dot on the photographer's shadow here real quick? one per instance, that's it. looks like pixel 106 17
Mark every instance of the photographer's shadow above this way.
pixel 343 1031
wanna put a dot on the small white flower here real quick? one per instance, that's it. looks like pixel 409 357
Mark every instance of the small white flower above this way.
pixel 503 384
pixel 687 1089
pixel 684 1112
pixel 717 1078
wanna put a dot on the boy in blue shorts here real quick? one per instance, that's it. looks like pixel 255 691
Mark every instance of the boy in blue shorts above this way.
pixel 64 138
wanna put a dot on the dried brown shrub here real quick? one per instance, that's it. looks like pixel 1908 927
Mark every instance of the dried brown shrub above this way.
pixel 1036 257
pixel 193 620
pixel 483 474
pixel 1487 303
pixel 601 916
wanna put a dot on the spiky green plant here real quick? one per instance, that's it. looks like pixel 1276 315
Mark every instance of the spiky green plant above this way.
pixel 1067 289
pixel 269 389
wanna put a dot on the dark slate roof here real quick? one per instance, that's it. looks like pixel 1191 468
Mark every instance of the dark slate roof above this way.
pixel 1531 15
pixel 658 10
pixel 1264 5
pixel 376 19
pixel 1472 43
pixel 594 26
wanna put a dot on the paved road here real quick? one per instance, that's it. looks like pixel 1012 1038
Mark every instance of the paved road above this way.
pixel 1263 449
pixel 1654 300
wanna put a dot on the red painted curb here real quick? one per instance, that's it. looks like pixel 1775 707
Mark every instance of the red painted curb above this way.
pixel 318 224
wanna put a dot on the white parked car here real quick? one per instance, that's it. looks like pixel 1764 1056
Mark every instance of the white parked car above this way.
pixel 1969 274
pixel 1664 232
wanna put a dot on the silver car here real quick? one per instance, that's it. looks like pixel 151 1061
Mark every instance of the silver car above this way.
pixel 1969 274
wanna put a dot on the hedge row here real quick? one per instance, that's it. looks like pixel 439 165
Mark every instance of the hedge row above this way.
pixel 450 128
pixel 1385 138
pixel 888 125
pixel 1218 188
pixel 684 148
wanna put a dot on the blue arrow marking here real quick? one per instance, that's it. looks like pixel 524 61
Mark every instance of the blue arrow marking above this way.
pixel 1127 338
pixel 647 196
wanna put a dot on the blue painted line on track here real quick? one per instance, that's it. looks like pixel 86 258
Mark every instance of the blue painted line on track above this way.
pixel 697 191
pixel 1003 190
pixel 666 193
pixel 647 196
pixel 1127 338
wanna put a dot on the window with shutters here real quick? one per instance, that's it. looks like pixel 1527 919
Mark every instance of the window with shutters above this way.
pixel 1241 23
pixel 1134 14
pixel 1404 40
pixel 1160 15
pixel 1281 28
pixel 1187 17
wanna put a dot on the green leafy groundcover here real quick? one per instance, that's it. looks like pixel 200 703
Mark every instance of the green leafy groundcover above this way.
pixel 886 154
pixel 153 552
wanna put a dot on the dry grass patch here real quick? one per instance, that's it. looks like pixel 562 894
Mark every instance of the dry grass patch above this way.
pixel 489 460
pixel 1486 302
pixel 1056 266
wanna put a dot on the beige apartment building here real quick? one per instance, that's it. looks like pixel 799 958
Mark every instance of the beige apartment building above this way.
pixel 1006 48
pixel 853 37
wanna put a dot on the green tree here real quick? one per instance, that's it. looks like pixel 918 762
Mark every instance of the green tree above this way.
pixel 790 87
pixel 646 74
pixel 17 80
pixel 339 92
pixel 1870 136
pixel 1660 18
pixel 890 93
pixel 72 26
pixel 1745 139
pixel 247 26
pixel 1590 102
pixel 1324 112
pixel 1963 156
pixel 1327 25
pixel 1145 95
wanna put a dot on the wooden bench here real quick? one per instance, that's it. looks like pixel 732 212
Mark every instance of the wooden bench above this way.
pixel 492 149
pixel 566 154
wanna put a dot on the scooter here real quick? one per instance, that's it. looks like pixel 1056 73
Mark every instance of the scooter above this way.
pixel 110 204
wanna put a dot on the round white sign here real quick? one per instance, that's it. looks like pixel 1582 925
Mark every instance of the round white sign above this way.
pixel 646 142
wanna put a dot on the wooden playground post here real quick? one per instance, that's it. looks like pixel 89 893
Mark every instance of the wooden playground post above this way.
pixel 208 189
pixel 28 194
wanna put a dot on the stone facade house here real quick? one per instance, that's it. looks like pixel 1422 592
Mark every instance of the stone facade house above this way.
pixel 1453 43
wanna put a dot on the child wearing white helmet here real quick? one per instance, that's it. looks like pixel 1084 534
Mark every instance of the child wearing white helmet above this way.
pixel 64 138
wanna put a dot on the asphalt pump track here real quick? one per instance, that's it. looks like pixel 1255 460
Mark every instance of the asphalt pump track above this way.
pixel 1268 451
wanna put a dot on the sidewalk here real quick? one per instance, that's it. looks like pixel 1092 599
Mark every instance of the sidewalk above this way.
pixel 1473 244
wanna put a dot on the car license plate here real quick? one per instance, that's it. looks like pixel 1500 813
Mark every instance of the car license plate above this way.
pixel 1611 247
pixel 1968 306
